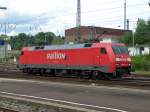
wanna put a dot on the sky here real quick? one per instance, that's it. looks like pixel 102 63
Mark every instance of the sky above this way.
pixel 33 16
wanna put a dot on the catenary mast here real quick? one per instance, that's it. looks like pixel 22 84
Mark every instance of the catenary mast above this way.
pixel 78 21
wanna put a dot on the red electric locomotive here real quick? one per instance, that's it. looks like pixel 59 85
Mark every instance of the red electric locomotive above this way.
pixel 96 60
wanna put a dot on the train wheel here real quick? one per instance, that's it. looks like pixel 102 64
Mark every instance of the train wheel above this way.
pixel 30 71
pixel 75 74
pixel 53 72
pixel 42 72
pixel 67 74
pixel 114 74
pixel 25 70
pixel 90 75
pixel 117 75
pixel 81 74
pixel 96 75
pixel 100 76
pixel 107 77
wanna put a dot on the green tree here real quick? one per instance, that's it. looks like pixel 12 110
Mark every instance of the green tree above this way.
pixel 127 39
pixel 58 40
pixel 6 38
pixel 44 38
pixel 142 34
pixel 48 38
pixel 17 42
pixel 39 39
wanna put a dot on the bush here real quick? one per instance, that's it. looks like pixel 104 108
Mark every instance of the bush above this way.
pixel 141 63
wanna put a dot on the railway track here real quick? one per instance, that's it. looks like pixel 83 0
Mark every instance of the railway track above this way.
pixel 10 71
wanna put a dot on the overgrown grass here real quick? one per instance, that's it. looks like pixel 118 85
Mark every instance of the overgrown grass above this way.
pixel 142 73
pixel 141 63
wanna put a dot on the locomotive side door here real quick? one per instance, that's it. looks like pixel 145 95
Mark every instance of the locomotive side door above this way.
pixel 104 59
pixel 96 57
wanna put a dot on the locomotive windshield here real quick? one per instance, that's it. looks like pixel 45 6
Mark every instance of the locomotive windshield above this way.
pixel 120 49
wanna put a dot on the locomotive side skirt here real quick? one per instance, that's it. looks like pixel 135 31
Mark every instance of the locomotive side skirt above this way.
pixel 104 69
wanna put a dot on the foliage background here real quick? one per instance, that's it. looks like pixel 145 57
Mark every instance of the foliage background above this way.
pixel 141 34
pixel 41 38
pixel 141 63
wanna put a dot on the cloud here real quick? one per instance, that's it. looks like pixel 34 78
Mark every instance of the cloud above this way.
pixel 36 14
pixel 12 33
pixel 32 16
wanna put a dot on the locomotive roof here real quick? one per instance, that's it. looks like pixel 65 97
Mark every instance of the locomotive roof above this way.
pixel 66 46
pixel 55 47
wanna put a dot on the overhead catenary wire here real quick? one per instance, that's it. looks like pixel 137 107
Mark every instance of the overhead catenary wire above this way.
pixel 118 17
pixel 45 16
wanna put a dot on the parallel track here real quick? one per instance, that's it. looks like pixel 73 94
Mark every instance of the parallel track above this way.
pixel 10 71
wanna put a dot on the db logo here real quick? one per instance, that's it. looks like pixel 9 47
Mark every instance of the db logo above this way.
pixel 56 55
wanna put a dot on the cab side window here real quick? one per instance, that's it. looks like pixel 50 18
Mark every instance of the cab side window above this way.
pixel 103 51
pixel 22 53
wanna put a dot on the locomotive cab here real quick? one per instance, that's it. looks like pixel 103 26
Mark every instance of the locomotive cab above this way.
pixel 114 59
pixel 122 59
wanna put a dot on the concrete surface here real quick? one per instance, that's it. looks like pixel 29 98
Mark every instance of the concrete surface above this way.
pixel 100 98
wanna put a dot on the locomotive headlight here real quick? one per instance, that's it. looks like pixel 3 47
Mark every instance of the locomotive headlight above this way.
pixel 129 59
pixel 118 59
pixel 117 65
